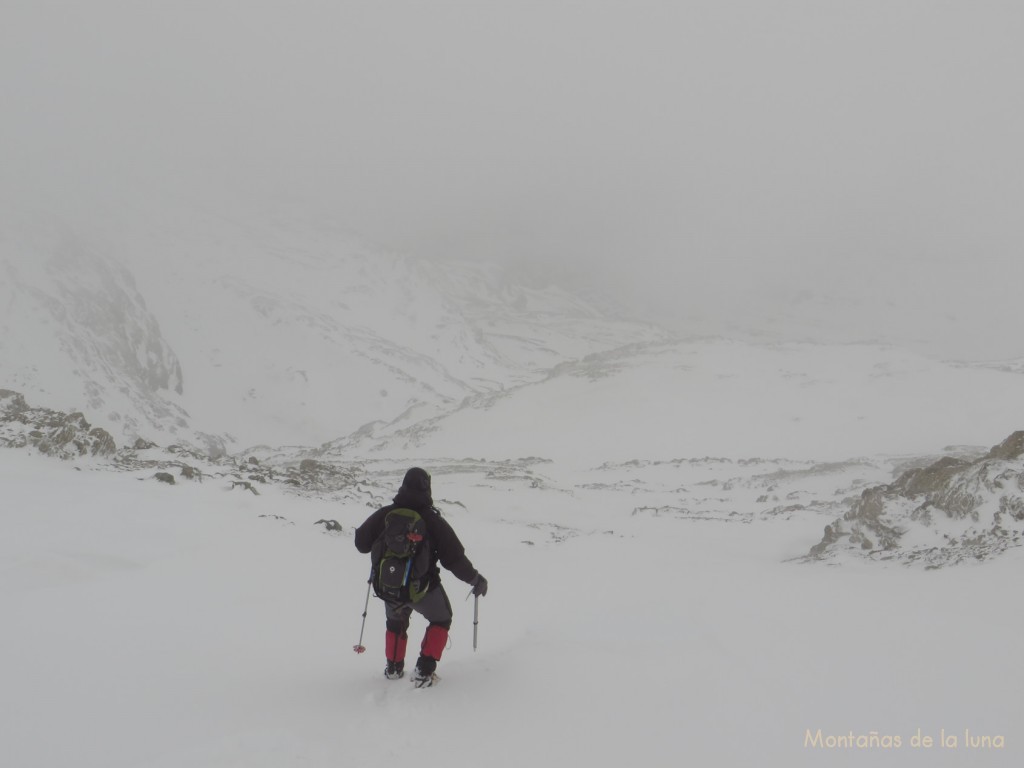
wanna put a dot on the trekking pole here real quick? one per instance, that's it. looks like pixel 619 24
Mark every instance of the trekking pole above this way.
pixel 476 618
pixel 359 647
pixel 476 613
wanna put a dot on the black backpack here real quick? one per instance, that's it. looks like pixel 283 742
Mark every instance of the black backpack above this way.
pixel 401 557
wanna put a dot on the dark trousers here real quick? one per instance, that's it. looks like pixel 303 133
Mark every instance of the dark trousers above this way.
pixel 436 609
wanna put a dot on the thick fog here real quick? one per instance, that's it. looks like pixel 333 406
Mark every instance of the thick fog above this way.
pixel 814 169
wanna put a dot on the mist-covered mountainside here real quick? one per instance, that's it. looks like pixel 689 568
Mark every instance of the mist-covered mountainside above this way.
pixel 76 334
pixel 285 351
pixel 210 332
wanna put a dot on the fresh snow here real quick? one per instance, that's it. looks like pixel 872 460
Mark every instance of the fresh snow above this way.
pixel 203 211
pixel 720 397
pixel 148 625
pixel 641 504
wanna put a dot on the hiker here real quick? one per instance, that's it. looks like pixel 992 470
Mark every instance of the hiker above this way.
pixel 428 539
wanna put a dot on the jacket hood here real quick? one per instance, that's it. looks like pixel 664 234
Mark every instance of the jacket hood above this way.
pixel 415 490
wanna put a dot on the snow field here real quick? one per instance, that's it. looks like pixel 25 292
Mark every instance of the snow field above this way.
pixel 154 626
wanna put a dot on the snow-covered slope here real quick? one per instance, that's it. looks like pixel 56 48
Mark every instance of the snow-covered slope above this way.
pixel 642 507
pixel 639 613
pixel 723 398
pixel 182 326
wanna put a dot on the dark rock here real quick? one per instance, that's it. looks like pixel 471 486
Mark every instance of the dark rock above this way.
pixel 1012 506
pixel 832 535
pixel 1011 448
pixel 191 473
pixel 11 403
pixel 244 484
pixel 102 443
pixel 930 479
pixel 165 477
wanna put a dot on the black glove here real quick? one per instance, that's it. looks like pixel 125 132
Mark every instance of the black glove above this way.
pixel 479 585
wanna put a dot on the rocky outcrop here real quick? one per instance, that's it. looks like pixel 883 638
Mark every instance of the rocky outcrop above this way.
pixel 314 475
pixel 54 433
pixel 1011 448
pixel 950 511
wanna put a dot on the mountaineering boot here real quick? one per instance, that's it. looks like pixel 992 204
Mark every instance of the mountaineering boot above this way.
pixel 394 670
pixel 423 676
pixel 422 679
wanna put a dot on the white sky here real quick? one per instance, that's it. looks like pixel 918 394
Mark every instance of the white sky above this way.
pixel 711 156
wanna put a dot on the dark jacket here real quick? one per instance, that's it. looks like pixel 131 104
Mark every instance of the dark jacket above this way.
pixel 446 548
